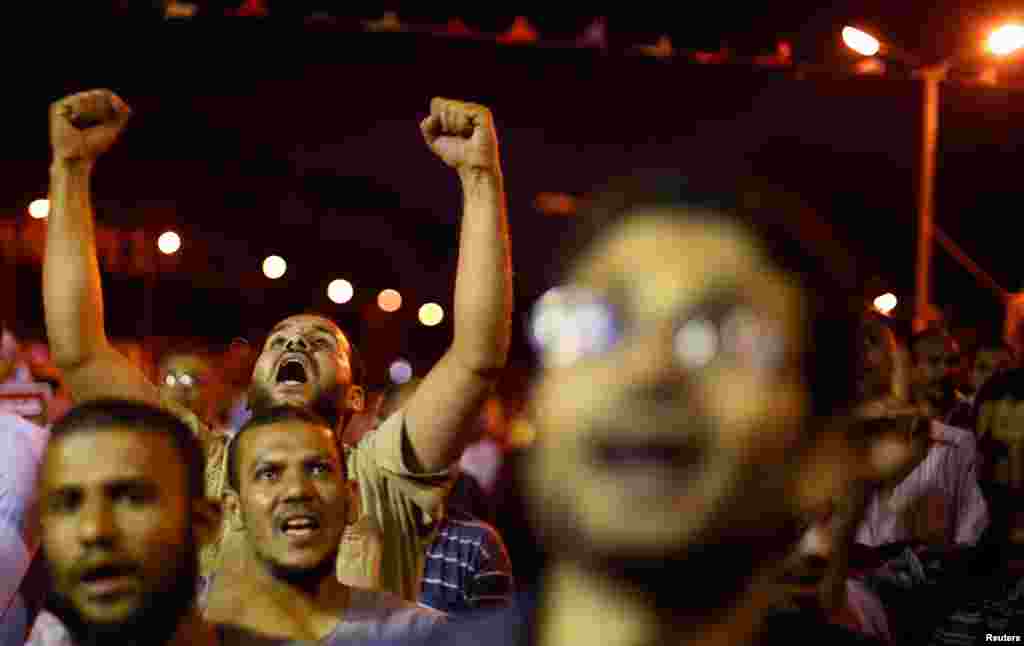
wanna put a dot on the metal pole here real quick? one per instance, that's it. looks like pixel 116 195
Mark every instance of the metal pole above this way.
pixel 931 77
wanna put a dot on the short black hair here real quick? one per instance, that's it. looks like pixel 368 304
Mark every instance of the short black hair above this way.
pixel 793 236
pixel 104 414
pixel 274 415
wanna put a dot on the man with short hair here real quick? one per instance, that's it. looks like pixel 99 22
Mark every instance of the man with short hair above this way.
pixel 123 512
pixel 288 495
pixel 935 355
pixel 307 360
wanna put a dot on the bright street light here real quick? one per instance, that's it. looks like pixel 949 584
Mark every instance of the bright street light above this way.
pixel 886 303
pixel 169 242
pixel 1006 40
pixel 861 41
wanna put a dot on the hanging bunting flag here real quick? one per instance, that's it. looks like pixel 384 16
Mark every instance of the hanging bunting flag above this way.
pixel 661 49
pixel 783 56
pixel 456 27
pixel 251 9
pixel 521 32
pixel 175 9
pixel 595 35
pixel 711 58
pixel 388 22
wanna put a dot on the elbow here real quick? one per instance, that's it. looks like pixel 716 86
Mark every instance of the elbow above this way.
pixel 484 362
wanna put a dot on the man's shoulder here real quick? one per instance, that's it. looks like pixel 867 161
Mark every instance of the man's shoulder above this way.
pixel 385 607
pixel 505 627
pixel 954 435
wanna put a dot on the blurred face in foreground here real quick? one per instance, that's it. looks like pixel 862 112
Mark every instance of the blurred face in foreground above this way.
pixel 117 533
pixel 672 399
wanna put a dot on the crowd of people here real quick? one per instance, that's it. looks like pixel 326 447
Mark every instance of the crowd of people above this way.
pixel 728 447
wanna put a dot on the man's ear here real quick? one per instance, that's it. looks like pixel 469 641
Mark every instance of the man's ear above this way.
pixel 233 509
pixel 355 399
pixel 206 520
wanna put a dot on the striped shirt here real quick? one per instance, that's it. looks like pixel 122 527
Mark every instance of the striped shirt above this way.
pixel 467 568
pixel 940 501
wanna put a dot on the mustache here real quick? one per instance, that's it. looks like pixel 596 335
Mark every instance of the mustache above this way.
pixel 297 509
pixel 92 569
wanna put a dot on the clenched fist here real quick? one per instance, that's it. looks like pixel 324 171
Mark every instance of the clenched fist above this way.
pixel 83 126
pixel 462 135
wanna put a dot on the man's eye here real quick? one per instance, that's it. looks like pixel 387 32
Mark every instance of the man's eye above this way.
pixel 64 504
pixel 134 498
pixel 277 341
pixel 267 474
pixel 321 469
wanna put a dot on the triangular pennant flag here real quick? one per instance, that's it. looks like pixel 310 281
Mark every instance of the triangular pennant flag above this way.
pixel 456 27
pixel 595 35
pixel 721 56
pixel 782 57
pixel 520 32
pixel 251 9
pixel 388 22
pixel 175 9
pixel 661 49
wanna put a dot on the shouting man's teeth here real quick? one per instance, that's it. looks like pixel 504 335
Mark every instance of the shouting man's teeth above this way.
pixel 300 526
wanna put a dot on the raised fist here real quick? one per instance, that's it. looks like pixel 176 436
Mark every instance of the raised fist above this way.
pixel 462 135
pixel 83 126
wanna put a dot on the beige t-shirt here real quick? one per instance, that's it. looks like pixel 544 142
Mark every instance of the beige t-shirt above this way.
pixel 405 506
pixel 214 445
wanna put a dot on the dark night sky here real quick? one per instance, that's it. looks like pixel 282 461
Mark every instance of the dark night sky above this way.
pixel 256 138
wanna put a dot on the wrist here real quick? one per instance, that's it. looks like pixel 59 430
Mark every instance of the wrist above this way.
pixel 481 181
pixel 71 166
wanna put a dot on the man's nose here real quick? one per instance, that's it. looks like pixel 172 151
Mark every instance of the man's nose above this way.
pixel 297 343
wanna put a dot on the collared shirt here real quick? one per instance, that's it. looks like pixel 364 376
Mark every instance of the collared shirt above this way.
pixel 21 449
pixel 940 500
pixel 467 568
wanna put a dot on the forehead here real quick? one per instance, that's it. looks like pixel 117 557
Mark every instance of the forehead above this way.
pixel 92 457
pixel 309 323
pixel 283 439
pixel 660 260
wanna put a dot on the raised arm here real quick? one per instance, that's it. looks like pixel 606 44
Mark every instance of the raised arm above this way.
pixel 438 415
pixel 82 127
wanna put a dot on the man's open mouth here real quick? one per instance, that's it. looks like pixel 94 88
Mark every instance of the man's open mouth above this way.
pixel 647 455
pixel 300 526
pixel 293 371
pixel 108 581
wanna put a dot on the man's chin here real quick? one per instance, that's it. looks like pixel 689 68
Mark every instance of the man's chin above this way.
pixel 303 571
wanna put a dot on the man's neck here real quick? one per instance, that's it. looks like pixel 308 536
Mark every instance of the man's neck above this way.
pixel 314 607
pixel 583 605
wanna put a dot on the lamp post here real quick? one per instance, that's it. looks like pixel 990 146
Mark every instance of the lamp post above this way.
pixel 1001 42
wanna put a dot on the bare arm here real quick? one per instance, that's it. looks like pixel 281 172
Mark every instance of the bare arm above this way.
pixel 439 413
pixel 72 294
